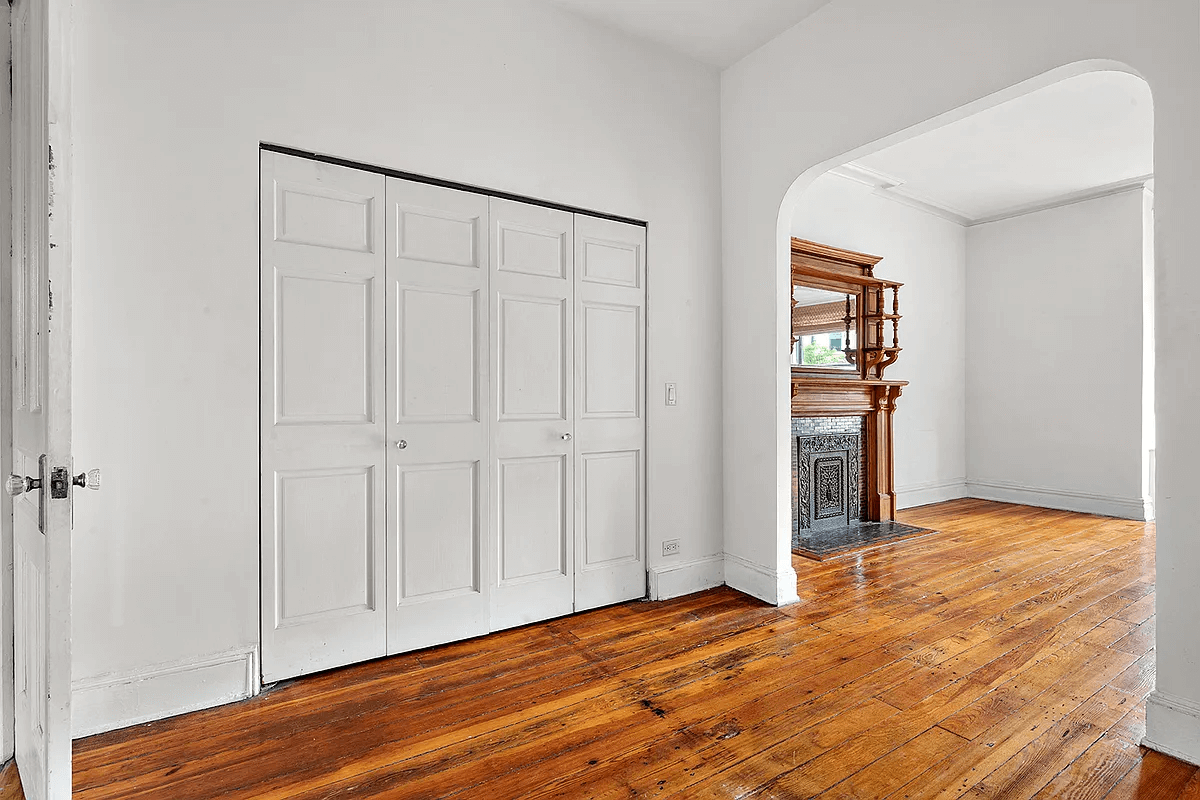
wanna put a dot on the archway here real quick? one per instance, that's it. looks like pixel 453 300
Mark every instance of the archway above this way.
pixel 1041 196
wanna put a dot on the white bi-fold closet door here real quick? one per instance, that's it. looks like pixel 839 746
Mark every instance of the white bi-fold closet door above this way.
pixel 453 395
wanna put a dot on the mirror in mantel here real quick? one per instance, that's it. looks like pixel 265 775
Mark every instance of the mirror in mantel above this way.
pixel 824 327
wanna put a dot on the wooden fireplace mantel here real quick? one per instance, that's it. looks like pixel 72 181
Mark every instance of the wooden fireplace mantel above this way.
pixel 858 390
pixel 837 397
pixel 875 402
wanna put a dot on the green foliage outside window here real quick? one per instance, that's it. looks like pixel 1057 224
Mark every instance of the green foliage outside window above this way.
pixel 818 354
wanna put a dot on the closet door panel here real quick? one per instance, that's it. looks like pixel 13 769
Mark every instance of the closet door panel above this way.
pixel 610 412
pixel 323 352
pixel 437 344
pixel 530 519
pixel 322 399
pixel 436 516
pixel 533 475
pixel 437 429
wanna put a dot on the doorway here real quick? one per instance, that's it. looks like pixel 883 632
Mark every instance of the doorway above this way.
pixel 1024 237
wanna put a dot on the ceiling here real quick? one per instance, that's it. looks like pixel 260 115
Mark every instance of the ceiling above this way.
pixel 1088 135
pixel 716 32
pixel 808 296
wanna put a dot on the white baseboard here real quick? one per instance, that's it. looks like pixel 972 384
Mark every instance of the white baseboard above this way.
pixel 1173 726
pixel 118 700
pixel 1104 505
pixel 775 587
pixel 676 580
pixel 922 494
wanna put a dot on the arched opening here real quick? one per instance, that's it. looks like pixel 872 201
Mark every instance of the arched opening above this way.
pixel 838 87
pixel 1022 228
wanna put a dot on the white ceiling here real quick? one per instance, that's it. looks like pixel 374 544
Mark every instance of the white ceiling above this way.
pixel 717 32
pixel 808 296
pixel 1081 137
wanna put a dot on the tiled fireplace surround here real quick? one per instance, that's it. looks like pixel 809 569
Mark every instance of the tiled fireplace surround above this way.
pixel 826 433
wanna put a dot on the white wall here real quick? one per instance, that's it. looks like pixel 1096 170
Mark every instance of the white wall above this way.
pixel 1149 370
pixel 1054 369
pixel 928 255
pixel 172 102
pixel 860 74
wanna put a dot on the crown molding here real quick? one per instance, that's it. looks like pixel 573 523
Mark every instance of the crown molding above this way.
pixel 893 188
pixel 1083 195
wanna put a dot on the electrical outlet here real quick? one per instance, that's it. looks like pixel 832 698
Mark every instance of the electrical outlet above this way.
pixel 671 547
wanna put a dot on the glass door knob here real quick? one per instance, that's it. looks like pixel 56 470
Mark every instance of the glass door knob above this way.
pixel 16 485
pixel 88 480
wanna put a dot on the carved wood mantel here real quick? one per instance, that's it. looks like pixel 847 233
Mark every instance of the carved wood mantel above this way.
pixel 859 390
pixel 875 401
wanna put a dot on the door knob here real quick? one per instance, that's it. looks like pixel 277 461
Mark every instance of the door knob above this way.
pixel 566 437
pixel 401 445
pixel 17 485
pixel 88 480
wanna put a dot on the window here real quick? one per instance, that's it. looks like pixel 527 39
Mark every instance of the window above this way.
pixel 822 350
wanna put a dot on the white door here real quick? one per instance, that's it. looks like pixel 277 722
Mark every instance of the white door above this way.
pixel 323 491
pixel 533 464
pixel 609 411
pixel 437 398
pixel 41 373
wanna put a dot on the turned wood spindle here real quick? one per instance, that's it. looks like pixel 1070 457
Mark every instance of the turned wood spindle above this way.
pixel 879 317
pixel 896 316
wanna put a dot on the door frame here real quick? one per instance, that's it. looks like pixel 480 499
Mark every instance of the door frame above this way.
pixel 499 194
pixel 7 670
pixel 309 155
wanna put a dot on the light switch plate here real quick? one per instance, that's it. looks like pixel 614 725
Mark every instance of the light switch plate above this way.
pixel 671 395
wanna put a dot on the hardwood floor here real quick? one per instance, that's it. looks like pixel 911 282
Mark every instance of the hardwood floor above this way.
pixel 1008 656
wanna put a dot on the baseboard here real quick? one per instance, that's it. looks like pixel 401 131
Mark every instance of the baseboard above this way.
pixel 776 588
pixel 1173 726
pixel 676 580
pixel 113 701
pixel 922 494
pixel 1104 505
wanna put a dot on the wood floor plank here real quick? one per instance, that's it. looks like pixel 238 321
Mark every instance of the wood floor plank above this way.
pixel 758 724
pixel 1138 641
pixel 1192 790
pixel 885 775
pixel 1041 760
pixel 1092 775
pixel 748 775
pixel 1140 611
pixel 1155 777
pixel 1138 678
pixel 10 782
pixel 1008 655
